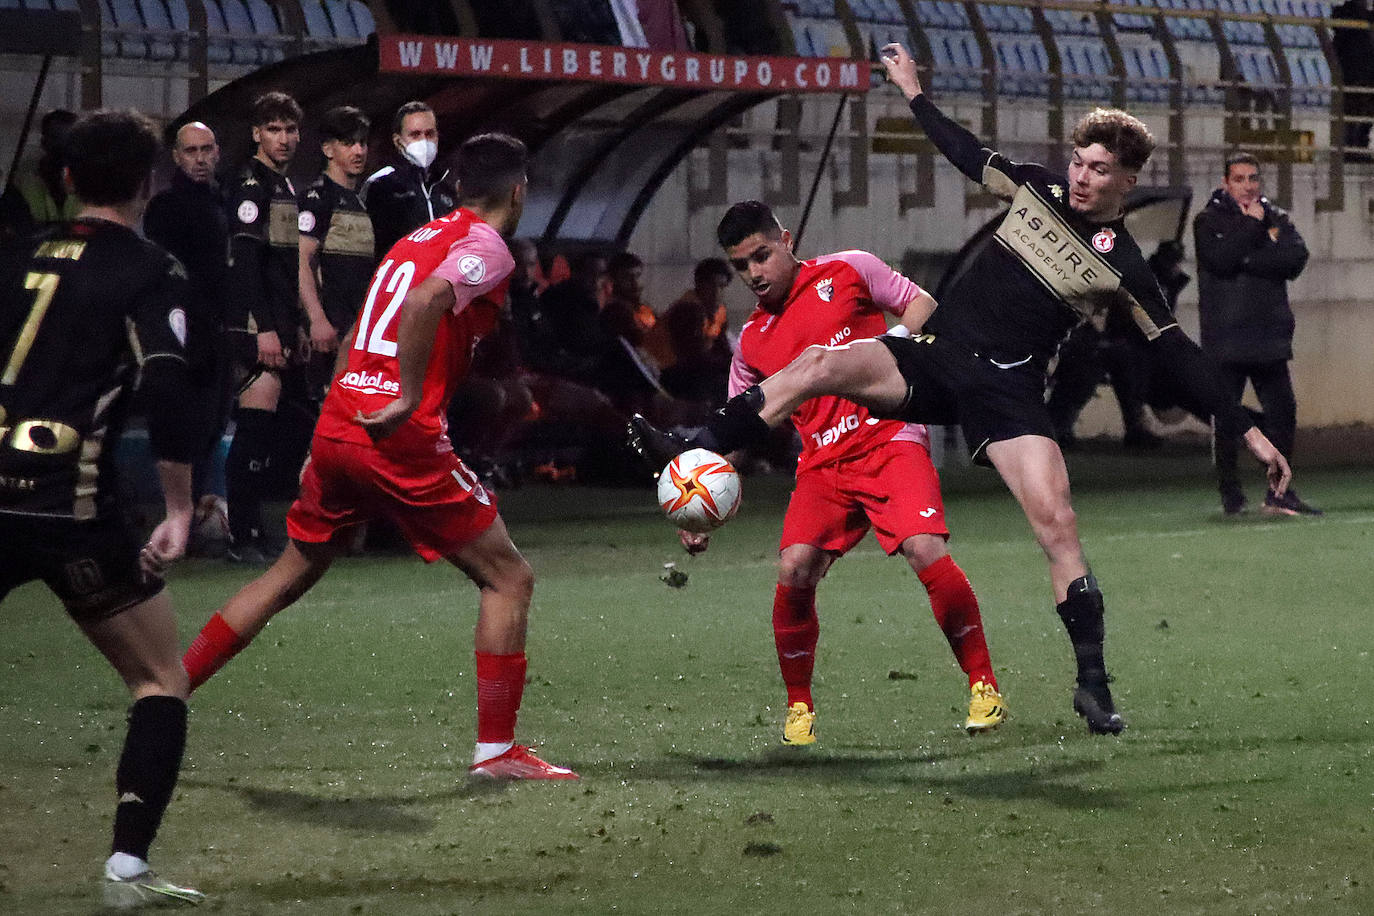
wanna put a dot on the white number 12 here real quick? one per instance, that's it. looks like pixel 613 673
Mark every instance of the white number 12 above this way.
pixel 398 286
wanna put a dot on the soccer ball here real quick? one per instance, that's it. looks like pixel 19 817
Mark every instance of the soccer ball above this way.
pixel 699 491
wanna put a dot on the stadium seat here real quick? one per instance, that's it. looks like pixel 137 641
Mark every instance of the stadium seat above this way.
pixel 317 21
pixel 363 23
pixel 220 48
pixel 246 50
pixel 342 20
pixel 164 43
pixel 129 41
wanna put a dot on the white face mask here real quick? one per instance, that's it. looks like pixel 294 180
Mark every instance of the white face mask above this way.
pixel 422 152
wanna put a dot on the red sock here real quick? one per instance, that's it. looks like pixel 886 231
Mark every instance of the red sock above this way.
pixel 796 632
pixel 211 649
pixel 500 684
pixel 956 611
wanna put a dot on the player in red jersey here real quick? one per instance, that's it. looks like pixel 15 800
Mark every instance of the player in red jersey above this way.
pixel 381 448
pixel 855 471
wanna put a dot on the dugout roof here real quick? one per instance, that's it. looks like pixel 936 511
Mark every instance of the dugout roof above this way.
pixel 605 125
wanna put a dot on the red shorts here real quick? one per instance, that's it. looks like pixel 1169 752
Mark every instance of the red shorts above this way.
pixel 893 489
pixel 438 503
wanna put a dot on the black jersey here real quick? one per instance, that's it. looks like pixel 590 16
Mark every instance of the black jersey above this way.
pixel 261 205
pixel 82 308
pixel 1046 268
pixel 335 217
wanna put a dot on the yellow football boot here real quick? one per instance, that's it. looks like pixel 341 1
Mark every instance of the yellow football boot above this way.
pixel 986 709
pixel 800 727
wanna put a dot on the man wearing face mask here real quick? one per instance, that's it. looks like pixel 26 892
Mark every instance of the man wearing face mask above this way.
pixel 407 195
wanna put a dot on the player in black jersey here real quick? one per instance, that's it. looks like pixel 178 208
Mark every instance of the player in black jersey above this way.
pixel 1061 253
pixel 336 245
pixel 87 308
pixel 262 309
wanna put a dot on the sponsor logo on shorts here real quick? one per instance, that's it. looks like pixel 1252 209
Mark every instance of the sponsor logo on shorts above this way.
pixel 369 383
pixel 927 512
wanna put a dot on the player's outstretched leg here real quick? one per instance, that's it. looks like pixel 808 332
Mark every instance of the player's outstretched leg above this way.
pixel 735 425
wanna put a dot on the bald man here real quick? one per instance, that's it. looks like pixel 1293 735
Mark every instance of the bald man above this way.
pixel 188 219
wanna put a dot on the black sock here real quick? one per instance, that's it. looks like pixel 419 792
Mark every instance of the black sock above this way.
pixel 245 471
pixel 1082 613
pixel 738 424
pixel 148 771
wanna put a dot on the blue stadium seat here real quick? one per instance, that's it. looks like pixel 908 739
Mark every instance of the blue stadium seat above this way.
pixel 344 27
pixel 1127 22
pixel 1071 22
pixel 363 23
pixel 932 16
pixel 806 43
pixel 886 11
pixel 156 18
pixel 220 48
pixel 240 25
pixel 1014 20
pixel 128 24
pixel 317 22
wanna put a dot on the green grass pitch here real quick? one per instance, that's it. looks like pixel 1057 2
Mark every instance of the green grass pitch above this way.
pixel 326 766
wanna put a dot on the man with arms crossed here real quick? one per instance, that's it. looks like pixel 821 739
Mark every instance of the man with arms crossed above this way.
pixel 1061 252
pixel 856 471
pixel 85 309
pixel 381 449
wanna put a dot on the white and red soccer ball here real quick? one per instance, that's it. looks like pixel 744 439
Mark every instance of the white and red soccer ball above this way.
pixel 699 491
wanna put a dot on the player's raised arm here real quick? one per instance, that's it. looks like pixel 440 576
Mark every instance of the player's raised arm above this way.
pixel 999 175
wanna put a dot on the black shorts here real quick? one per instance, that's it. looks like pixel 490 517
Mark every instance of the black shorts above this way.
pixel 92 566
pixel 948 384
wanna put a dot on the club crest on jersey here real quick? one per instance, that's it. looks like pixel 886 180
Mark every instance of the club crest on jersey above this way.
pixel 1105 240
pixel 1058 191
pixel 473 269
pixel 826 289
pixel 248 212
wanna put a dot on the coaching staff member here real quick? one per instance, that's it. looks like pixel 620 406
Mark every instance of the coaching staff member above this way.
pixel 1247 251
pixel 407 195
pixel 188 220
pixel 85 309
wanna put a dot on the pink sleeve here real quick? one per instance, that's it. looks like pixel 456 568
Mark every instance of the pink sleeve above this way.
pixel 476 264
pixel 891 291
pixel 742 375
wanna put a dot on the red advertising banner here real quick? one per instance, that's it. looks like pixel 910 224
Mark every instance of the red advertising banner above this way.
pixel 541 60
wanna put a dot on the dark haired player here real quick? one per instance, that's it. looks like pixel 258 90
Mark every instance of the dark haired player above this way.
pixel 856 471
pixel 381 449
pixel 86 309
pixel 336 246
pixel 1061 253
pixel 262 309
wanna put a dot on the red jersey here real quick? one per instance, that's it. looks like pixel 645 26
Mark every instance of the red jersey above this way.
pixel 469 254
pixel 835 300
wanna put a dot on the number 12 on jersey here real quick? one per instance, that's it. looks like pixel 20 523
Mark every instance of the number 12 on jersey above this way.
pixel 397 285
